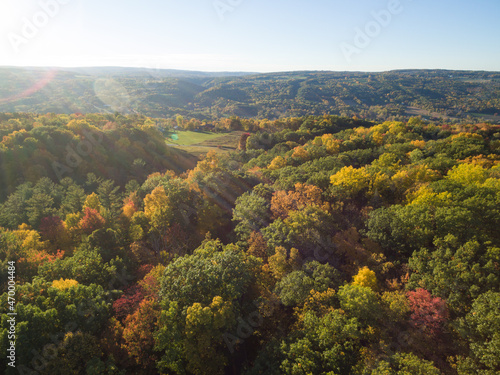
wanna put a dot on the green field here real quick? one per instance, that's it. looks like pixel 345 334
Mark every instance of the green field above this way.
pixel 198 143
pixel 187 138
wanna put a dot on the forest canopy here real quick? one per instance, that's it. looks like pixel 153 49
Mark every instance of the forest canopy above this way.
pixel 323 245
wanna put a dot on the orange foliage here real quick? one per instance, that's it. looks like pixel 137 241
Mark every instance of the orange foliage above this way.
pixel 304 195
pixel 357 252
pixel 138 333
pixel 257 246
pixel 28 265
pixel 300 153
pixel 91 221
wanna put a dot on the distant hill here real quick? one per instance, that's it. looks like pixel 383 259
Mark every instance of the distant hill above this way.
pixel 433 94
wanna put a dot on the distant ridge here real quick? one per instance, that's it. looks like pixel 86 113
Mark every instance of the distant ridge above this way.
pixel 131 72
pixel 433 94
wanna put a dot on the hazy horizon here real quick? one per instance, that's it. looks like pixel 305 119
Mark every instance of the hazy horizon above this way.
pixel 239 71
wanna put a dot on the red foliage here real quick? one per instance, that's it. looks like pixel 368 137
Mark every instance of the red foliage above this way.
pixel 138 334
pixel 51 228
pixel 28 266
pixel 144 270
pixel 428 312
pixel 91 221
pixel 151 286
pixel 128 303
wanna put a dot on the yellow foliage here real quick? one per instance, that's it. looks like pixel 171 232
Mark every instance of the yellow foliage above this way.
pixel 208 164
pixel 24 226
pixel 280 264
pixel 215 316
pixel 156 208
pixel 277 163
pixel 414 176
pixel 79 125
pixel 398 304
pixel 387 161
pixel 30 239
pixel 328 141
pixel 362 131
pixel 366 278
pixel 427 197
pixel 378 138
pixel 467 135
pixel 64 284
pixel 92 201
pixel 381 182
pixel 72 221
pixel 468 174
pixel 283 202
pixel 487 162
pixel 397 128
pixel 129 210
pixel 418 144
pixel 300 153
pixel 320 302
pixel 331 144
pixel 354 180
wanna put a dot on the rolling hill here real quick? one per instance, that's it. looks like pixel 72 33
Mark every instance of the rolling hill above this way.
pixel 433 94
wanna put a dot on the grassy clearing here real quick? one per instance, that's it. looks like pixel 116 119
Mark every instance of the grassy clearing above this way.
pixel 186 138
pixel 198 144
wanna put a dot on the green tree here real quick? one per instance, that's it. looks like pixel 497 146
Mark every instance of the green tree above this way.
pixel 326 345
pixel 360 302
pixel 405 364
pixel 481 328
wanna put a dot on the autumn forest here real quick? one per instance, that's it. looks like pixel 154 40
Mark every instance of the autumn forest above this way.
pixel 360 239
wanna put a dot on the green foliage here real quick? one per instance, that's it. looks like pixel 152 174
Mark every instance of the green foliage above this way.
pixel 252 213
pixel 45 314
pixel 455 272
pixel 87 267
pixel 360 302
pixel 211 271
pixel 481 328
pixel 405 364
pixel 326 345
pixel 294 288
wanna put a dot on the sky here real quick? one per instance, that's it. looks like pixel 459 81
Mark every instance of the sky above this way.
pixel 252 35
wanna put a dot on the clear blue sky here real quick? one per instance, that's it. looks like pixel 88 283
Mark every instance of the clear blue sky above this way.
pixel 254 35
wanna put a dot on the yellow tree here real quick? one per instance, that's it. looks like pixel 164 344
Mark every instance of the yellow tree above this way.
pixel 64 283
pixel 280 264
pixel 300 153
pixel 92 201
pixel 353 180
pixel 157 208
pixel 204 329
pixel 367 278
pixel 277 163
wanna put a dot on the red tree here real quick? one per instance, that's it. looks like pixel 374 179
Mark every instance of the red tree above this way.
pixel 128 303
pixel 51 228
pixel 428 312
pixel 91 221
